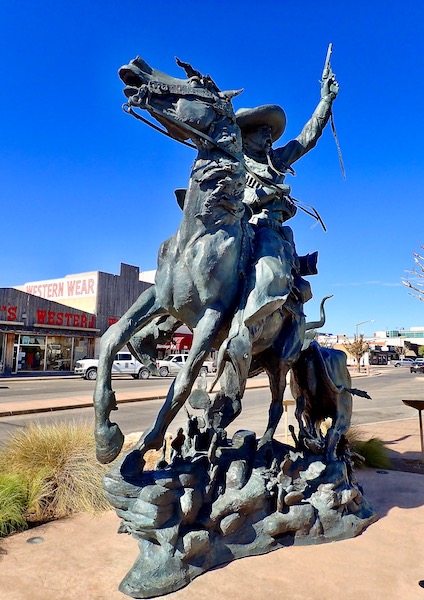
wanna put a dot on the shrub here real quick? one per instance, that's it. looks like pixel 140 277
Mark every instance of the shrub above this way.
pixel 373 451
pixel 13 504
pixel 60 469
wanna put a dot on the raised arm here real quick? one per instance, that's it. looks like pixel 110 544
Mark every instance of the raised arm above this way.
pixel 313 129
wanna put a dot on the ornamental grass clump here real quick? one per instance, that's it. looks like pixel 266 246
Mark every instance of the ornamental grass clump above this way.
pixel 373 450
pixel 59 466
pixel 13 504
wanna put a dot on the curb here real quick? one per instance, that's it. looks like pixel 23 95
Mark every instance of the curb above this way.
pixel 46 409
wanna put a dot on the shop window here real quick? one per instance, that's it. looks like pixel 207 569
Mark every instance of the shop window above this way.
pixel 80 349
pixel 45 353
pixel 31 353
pixel 59 353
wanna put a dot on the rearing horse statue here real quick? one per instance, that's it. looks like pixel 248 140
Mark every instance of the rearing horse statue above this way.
pixel 200 279
pixel 200 266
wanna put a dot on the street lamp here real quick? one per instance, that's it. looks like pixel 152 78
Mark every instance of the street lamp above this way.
pixel 361 323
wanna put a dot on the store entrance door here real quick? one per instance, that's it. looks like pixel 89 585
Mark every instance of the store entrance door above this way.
pixel 15 359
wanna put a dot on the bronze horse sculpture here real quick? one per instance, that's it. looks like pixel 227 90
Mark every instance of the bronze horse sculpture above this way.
pixel 201 268
pixel 220 499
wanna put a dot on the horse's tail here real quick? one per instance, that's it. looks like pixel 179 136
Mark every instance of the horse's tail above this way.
pixel 236 349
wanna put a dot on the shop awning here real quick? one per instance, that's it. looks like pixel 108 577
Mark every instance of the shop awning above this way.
pixel 179 343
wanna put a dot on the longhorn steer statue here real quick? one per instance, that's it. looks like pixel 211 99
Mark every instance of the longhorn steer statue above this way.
pixel 321 385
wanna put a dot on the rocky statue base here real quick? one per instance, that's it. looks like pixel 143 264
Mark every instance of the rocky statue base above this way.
pixel 209 507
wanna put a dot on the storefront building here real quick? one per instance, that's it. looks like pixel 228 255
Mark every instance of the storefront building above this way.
pixel 48 325
pixel 105 295
pixel 37 335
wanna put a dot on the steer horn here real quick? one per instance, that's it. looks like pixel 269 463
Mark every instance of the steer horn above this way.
pixel 321 322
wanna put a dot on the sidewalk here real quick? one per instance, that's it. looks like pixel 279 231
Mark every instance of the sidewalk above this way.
pixel 83 558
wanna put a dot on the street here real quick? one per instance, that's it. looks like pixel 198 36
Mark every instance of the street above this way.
pixel 386 389
pixel 68 387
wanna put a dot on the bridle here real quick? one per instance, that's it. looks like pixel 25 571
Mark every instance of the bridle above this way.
pixel 221 106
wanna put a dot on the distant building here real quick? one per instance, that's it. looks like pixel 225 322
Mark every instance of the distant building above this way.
pixel 399 342
pixel 48 325
pixel 385 346
pixel 398 337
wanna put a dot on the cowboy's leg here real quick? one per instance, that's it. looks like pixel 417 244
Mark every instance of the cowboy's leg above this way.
pixel 271 276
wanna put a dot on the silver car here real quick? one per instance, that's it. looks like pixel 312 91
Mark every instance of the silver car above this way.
pixel 403 362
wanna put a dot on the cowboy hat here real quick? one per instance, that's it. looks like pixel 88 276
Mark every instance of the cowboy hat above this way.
pixel 267 114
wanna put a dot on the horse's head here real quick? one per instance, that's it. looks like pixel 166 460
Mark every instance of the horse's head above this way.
pixel 183 106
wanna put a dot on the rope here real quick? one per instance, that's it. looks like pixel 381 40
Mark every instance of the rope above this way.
pixel 336 139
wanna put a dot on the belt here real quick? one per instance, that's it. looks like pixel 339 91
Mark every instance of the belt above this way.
pixel 271 223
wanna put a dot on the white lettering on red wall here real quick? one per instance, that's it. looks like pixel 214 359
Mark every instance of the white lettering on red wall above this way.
pixel 51 317
pixel 9 313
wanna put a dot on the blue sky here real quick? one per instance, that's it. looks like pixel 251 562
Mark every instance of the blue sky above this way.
pixel 84 187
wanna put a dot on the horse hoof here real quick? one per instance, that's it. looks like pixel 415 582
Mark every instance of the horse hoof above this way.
pixel 109 443
pixel 133 464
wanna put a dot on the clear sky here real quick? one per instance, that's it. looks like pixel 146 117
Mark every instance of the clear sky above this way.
pixel 84 187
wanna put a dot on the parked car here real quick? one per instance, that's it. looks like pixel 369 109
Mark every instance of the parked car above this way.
pixel 417 367
pixel 419 361
pixel 124 364
pixel 403 362
pixel 173 363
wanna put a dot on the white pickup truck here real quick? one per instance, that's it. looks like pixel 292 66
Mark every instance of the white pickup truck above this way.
pixel 173 363
pixel 124 364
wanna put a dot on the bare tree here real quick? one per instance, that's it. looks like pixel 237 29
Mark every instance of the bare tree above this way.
pixel 418 275
pixel 357 349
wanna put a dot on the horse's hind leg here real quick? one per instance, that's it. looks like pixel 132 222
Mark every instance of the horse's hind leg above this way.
pixel 109 438
pixel 203 337
pixel 277 380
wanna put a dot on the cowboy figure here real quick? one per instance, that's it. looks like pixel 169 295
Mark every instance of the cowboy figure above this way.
pixel 275 277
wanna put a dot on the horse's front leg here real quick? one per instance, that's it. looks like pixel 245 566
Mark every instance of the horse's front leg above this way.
pixel 204 335
pixel 108 436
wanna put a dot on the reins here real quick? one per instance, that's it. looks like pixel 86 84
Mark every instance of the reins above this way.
pixel 128 109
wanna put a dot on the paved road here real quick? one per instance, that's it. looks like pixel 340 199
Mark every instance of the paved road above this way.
pixel 387 391
pixel 12 390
